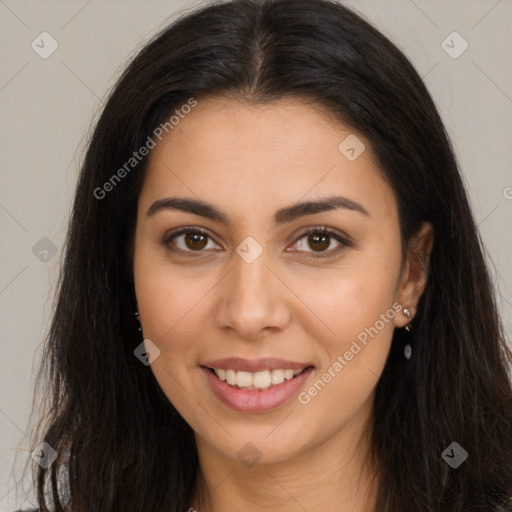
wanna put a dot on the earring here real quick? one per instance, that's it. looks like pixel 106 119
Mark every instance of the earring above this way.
pixel 407 313
pixel 408 328
pixel 138 321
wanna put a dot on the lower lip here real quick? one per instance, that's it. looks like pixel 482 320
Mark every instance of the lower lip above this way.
pixel 255 400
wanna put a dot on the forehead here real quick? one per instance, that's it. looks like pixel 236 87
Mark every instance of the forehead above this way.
pixel 248 156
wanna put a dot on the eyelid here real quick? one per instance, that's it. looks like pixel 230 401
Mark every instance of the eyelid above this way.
pixel 340 237
pixel 169 236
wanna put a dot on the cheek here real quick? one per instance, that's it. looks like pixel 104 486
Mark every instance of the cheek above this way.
pixel 169 303
pixel 360 313
pixel 352 299
pixel 166 294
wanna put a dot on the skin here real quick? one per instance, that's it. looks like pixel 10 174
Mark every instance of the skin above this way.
pixel 250 161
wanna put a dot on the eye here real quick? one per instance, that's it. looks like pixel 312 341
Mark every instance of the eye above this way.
pixel 187 240
pixel 320 239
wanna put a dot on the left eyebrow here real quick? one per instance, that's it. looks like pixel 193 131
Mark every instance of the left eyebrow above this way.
pixel 295 211
pixel 282 216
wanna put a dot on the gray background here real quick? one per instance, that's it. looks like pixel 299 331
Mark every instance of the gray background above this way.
pixel 48 106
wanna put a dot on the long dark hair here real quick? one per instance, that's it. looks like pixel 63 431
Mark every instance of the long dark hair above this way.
pixel 121 444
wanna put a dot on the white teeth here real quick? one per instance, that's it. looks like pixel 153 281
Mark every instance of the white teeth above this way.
pixel 277 376
pixel 288 374
pixel 243 379
pixel 231 377
pixel 261 380
pixel 256 380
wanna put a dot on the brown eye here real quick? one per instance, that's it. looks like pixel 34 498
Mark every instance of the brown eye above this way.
pixel 318 240
pixel 195 241
pixel 188 240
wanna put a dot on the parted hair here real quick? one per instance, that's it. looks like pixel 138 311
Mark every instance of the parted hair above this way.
pixel 121 444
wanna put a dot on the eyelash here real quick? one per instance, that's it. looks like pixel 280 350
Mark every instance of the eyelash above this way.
pixel 316 230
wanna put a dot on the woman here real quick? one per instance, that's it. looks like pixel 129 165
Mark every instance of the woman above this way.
pixel 274 295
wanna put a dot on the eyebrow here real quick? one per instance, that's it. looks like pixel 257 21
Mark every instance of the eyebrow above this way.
pixel 282 216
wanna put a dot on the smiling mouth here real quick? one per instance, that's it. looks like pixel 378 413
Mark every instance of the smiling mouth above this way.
pixel 255 380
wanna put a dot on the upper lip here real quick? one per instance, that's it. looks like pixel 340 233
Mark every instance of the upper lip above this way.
pixel 246 365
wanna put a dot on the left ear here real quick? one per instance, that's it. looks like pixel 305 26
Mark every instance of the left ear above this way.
pixel 415 272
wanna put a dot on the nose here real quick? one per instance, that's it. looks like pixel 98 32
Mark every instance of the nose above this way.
pixel 252 299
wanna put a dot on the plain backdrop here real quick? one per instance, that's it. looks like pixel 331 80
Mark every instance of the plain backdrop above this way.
pixel 48 106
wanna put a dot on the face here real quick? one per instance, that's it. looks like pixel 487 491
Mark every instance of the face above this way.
pixel 258 288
